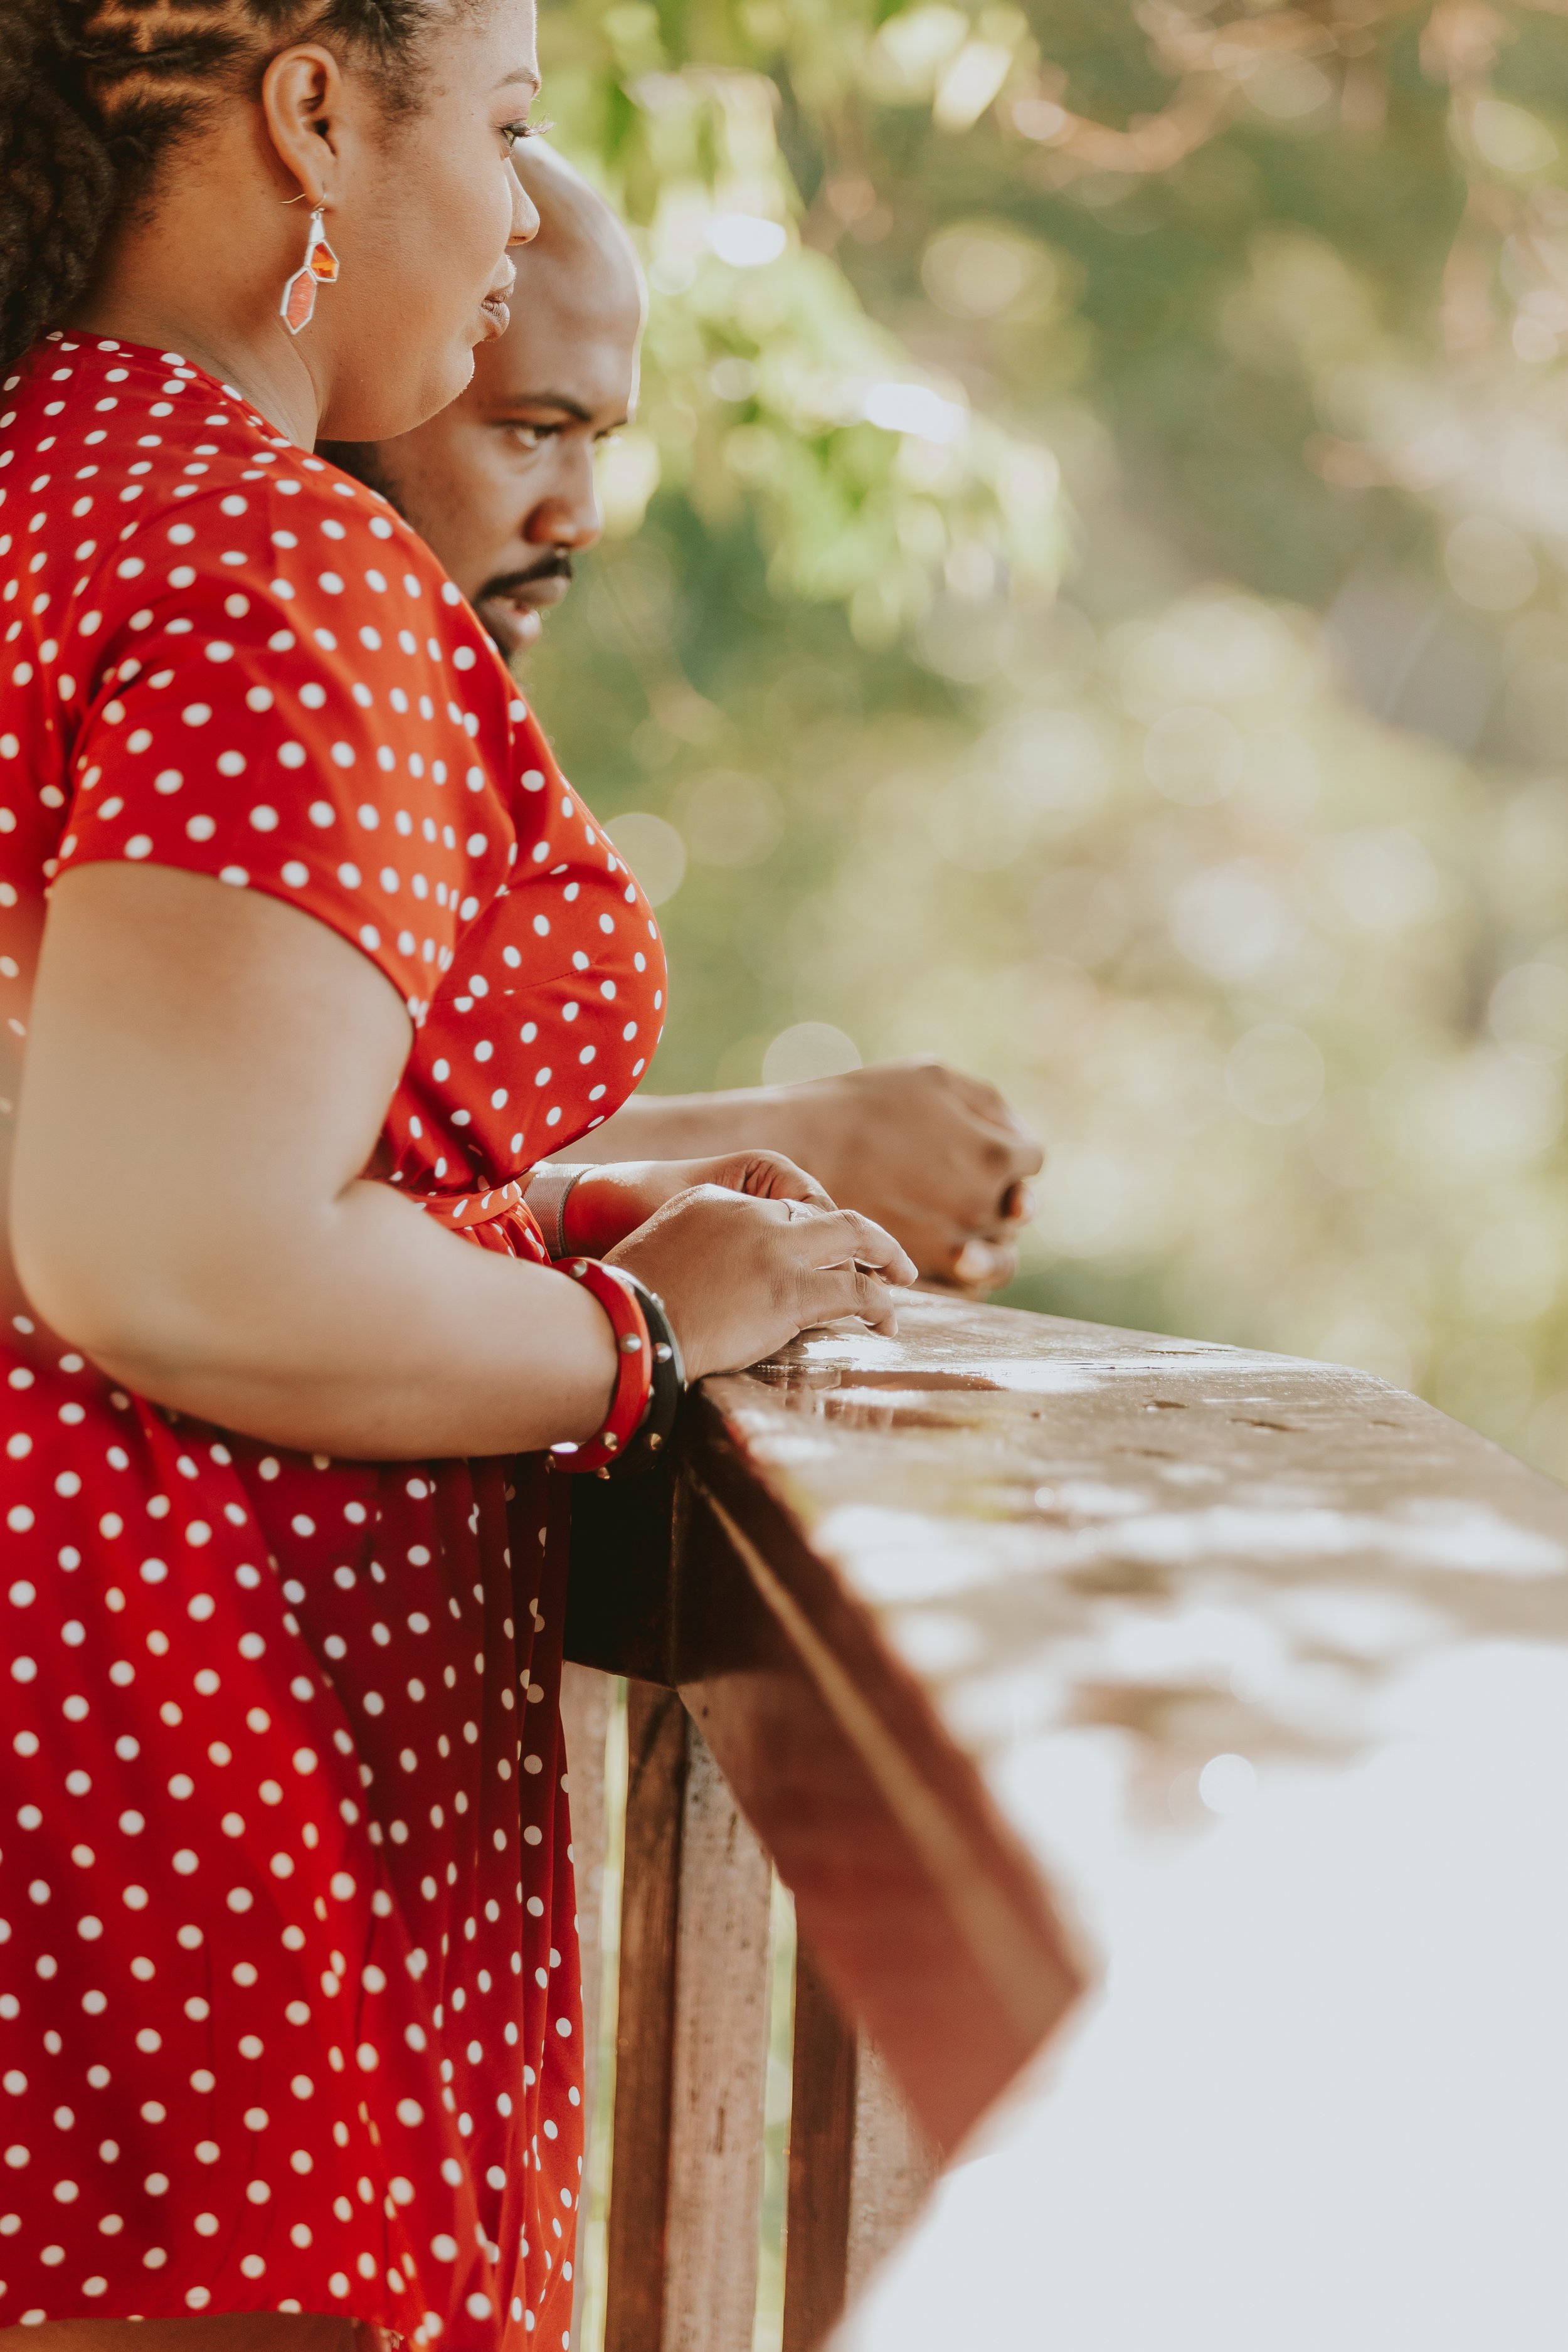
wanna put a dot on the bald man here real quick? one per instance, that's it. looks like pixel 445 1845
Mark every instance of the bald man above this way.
pixel 502 486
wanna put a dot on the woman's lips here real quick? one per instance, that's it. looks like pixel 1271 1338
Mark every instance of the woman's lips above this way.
pixel 494 306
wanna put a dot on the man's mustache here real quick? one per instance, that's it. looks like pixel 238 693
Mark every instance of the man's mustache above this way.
pixel 554 566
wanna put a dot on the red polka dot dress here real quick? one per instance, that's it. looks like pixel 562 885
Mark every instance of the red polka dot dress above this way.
pixel 288 1999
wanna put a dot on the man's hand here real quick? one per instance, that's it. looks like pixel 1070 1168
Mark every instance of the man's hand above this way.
pixel 935 1157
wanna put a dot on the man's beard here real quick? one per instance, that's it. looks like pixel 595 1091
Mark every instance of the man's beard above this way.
pixel 507 610
pixel 504 587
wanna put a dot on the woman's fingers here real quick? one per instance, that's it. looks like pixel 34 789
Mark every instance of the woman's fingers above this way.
pixel 833 1292
pixel 742 1275
pixel 853 1268
pixel 844 1236
pixel 769 1176
pixel 875 1304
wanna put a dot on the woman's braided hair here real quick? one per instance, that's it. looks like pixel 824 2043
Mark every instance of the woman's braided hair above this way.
pixel 93 93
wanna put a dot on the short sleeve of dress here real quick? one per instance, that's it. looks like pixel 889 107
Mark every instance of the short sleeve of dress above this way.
pixel 278 699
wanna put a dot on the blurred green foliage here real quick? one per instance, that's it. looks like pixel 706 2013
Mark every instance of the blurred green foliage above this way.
pixel 1097 613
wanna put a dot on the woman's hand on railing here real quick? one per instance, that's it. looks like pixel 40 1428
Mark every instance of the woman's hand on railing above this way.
pixel 742 1275
pixel 606 1205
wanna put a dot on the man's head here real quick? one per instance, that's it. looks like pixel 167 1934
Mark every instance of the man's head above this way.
pixel 500 485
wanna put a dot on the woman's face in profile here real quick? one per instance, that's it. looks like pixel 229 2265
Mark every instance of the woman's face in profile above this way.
pixel 428 206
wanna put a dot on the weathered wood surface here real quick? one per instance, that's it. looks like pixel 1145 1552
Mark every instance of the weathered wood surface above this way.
pixel 1253 1673
pixel 1321 2095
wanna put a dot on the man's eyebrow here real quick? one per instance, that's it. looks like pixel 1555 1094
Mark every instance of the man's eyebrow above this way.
pixel 543 400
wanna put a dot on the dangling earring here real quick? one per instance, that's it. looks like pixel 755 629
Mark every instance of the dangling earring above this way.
pixel 320 267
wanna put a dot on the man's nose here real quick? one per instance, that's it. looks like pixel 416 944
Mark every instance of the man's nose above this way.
pixel 569 514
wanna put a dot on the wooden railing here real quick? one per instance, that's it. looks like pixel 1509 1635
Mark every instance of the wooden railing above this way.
pixel 928 1623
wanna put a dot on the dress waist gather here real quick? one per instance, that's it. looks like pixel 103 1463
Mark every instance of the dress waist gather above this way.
pixel 499 1219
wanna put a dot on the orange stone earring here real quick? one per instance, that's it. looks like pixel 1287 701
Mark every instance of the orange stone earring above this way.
pixel 319 268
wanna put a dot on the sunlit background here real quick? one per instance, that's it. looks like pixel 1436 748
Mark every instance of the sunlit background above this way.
pixel 1085 598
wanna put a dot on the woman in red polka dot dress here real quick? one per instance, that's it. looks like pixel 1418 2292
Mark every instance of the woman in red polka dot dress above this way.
pixel 307 957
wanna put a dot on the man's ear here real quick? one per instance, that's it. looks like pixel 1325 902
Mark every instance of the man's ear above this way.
pixel 302 102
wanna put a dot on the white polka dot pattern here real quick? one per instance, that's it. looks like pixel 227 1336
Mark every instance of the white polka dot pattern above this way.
pixel 289 2001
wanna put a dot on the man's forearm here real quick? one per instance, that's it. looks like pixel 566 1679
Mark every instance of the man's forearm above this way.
pixel 694 1127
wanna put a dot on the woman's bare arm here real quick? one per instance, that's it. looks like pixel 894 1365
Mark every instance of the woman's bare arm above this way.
pixel 207 1073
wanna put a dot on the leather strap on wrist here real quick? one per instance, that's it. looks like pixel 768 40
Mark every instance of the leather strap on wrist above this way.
pixel 546 1194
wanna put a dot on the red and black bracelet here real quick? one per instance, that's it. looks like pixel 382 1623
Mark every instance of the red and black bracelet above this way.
pixel 633 1391
pixel 649 1377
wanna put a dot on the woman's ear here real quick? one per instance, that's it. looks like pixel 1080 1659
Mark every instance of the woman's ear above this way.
pixel 303 105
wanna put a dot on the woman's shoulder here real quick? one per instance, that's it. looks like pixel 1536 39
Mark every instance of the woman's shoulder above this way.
pixel 119 431
pixel 142 461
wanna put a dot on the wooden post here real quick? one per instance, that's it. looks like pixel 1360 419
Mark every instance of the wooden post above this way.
pixel 892 2170
pixel 821 2158
pixel 691 2048
pixel 860 2166
pixel 585 1700
pixel 645 2031
pixel 720 2070
pixel 586 1697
